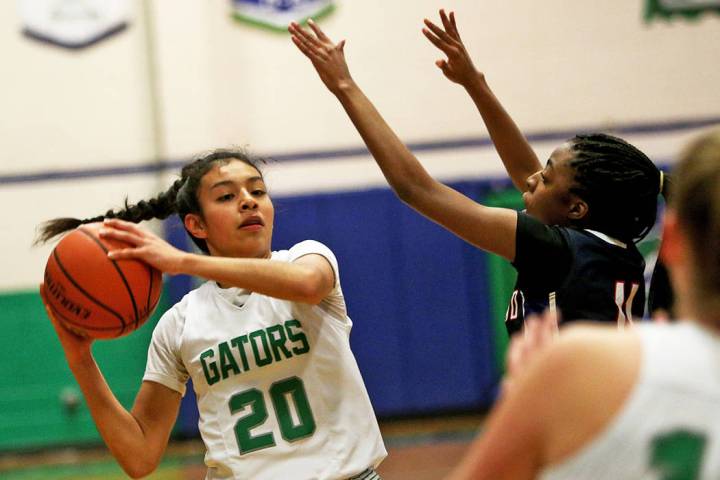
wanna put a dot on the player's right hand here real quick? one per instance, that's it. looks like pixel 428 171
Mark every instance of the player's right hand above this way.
pixel 76 346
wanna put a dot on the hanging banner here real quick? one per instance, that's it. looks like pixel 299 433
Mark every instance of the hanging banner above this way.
pixel 73 23
pixel 277 14
pixel 685 8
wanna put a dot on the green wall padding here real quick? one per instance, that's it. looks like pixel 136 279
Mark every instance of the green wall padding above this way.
pixel 34 375
pixel 502 278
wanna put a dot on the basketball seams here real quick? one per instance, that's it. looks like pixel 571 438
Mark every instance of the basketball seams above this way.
pixel 56 257
pixel 80 271
pixel 120 272
pixel 67 320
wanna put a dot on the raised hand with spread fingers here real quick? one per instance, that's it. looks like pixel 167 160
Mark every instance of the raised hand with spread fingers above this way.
pixel 518 157
pixel 327 57
pixel 458 67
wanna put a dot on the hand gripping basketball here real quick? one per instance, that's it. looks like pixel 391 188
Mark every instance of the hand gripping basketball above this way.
pixel 74 343
pixel 96 296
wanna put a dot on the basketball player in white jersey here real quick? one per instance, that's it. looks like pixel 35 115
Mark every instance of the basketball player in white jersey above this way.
pixel 640 404
pixel 265 341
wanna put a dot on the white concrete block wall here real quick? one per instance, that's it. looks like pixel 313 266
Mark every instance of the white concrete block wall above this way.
pixel 556 64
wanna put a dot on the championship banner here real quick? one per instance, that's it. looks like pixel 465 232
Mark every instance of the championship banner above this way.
pixel 73 23
pixel 685 8
pixel 277 14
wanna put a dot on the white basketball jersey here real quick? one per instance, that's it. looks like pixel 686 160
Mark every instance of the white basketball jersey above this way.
pixel 278 389
pixel 669 427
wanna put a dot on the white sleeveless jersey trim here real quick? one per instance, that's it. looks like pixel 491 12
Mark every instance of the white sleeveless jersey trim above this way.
pixel 678 389
pixel 275 355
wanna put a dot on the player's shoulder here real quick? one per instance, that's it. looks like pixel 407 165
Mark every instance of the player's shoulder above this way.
pixel 584 379
pixel 310 246
pixel 590 331
pixel 196 296
pixel 585 350
pixel 304 247
pixel 531 226
pixel 595 340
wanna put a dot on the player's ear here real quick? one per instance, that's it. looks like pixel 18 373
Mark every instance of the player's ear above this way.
pixel 578 209
pixel 195 225
pixel 671 248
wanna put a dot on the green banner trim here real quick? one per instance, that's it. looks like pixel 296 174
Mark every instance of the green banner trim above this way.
pixel 654 9
pixel 274 28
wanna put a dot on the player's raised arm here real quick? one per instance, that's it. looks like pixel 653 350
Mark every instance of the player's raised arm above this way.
pixel 491 229
pixel 518 157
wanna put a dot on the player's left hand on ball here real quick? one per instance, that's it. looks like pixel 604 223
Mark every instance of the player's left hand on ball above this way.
pixel 144 245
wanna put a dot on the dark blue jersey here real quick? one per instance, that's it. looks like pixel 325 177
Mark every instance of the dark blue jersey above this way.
pixel 585 275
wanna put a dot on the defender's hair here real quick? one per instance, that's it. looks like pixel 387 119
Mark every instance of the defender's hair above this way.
pixel 619 183
pixel 180 198
pixel 696 200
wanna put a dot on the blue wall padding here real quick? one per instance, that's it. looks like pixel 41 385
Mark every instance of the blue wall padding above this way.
pixel 417 295
pixel 176 287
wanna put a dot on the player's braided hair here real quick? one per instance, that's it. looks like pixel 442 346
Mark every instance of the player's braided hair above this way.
pixel 619 183
pixel 180 198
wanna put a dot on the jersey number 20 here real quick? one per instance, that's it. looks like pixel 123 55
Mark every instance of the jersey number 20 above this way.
pixel 291 429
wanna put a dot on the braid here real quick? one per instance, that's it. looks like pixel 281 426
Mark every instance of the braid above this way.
pixel 619 183
pixel 180 198
pixel 159 207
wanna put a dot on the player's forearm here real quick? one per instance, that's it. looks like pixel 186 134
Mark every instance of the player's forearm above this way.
pixel 518 157
pixel 121 432
pixel 403 171
pixel 288 281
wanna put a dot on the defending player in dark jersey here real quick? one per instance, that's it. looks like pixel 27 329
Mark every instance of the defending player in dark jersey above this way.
pixel 584 264
pixel 591 275
pixel 592 182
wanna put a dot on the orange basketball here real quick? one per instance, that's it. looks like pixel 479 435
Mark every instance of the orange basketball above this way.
pixel 94 295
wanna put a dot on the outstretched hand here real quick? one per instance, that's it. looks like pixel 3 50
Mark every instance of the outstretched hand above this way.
pixel 327 57
pixel 458 67
pixel 145 246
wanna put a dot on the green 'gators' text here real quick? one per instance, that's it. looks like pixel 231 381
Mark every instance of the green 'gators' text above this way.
pixel 255 349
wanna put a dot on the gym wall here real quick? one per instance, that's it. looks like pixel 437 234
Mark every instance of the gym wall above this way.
pixel 84 129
